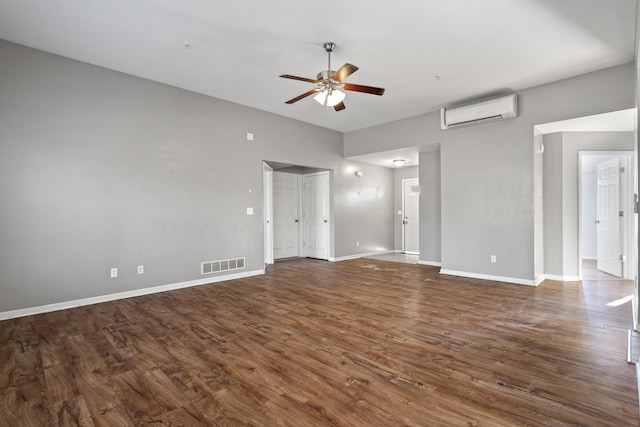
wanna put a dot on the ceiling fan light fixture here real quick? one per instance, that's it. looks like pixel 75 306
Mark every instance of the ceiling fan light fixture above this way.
pixel 330 84
pixel 330 98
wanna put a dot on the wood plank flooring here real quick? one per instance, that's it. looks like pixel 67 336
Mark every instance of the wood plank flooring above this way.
pixel 311 343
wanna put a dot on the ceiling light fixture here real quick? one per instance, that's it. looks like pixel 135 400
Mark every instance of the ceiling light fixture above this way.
pixel 399 162
pixel 330 97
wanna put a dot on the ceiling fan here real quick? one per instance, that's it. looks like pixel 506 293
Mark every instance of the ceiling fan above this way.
pixel 331 84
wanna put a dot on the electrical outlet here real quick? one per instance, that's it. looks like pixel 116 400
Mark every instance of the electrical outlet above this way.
pixel 114 273
pixel 357 242
pixel 141 269
pixel 493 258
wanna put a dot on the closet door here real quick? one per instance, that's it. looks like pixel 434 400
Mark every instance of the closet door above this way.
pixel 286 215
pixel 315 215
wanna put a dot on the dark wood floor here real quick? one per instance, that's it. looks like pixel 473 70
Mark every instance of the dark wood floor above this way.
pixel 312 343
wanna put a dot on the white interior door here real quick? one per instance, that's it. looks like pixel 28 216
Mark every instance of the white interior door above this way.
pixel 315 215
pixel 286 215
pixel 609 246
pixel 410 216
pixel 267 182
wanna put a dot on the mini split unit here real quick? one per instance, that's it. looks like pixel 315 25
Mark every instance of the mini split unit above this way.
pixel 494 109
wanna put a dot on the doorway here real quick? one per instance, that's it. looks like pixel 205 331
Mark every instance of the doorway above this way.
pixel 410 216
pixel 557 187
pixel 606 213
pixel 297 212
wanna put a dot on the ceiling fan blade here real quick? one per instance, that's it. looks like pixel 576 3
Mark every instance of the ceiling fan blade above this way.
pixel 366 89
pixel 339 107
pixel 302 79
pixel 304 95
pixel 345 71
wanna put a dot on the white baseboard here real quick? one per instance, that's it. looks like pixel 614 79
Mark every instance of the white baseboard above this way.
pixel 431 263
pixel 121 295
pixel 562 278
pixel 362 255
pixel 490 277
pixel 539 279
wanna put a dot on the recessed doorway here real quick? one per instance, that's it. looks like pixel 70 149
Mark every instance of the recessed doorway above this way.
pixel 298 223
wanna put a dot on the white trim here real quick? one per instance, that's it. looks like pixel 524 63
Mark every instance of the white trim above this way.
pixel 489 277
pixel 267 212
pixel 562 278
pixel 634 309
pixel 356 256
pixel 638 377
pixel 121 295
pixel 431 263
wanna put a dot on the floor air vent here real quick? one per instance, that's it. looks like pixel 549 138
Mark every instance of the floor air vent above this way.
pixel 210 267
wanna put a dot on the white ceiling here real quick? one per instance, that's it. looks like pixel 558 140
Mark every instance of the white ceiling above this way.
pixel 410 155
pixel 237 49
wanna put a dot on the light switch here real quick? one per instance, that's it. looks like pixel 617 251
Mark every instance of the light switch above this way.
pixel 399 213
pixel 249 211
pixel 249 136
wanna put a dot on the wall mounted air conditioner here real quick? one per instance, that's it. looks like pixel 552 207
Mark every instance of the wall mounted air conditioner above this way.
pixel 494 109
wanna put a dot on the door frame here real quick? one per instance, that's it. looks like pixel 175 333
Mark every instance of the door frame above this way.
pixel 626 205
pixel 267 212
pixel 268 206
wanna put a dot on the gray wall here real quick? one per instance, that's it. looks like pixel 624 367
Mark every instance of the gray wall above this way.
pixel 100 169
pixel 363 209
pixel 430 207
pixel 561 193
pixel 553 188
pixel 407 172
pixel 488 203
pixel 538 206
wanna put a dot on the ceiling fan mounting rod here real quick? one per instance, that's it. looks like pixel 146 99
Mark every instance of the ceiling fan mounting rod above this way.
pixel 328 46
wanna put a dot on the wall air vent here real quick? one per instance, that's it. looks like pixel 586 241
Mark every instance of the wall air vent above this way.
pixel 494 109
pixel 210 267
